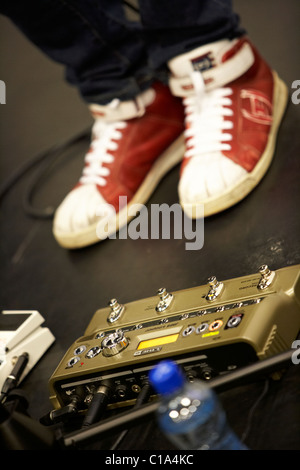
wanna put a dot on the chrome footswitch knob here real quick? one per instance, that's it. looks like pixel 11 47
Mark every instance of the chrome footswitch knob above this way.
pixel 116 310
pixel 267 277
pixel 215 290
pixel 165 299
pixel 114 343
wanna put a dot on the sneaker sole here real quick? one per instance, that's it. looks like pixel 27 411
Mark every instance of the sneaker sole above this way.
pixel 239 191
pixel 171 157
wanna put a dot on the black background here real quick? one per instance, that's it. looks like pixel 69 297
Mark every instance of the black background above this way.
pixel 68 287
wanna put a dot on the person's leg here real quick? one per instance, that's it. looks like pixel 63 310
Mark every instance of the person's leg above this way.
pixel 136 137
pixel 176 27
pixel 103 53
pixel 233 108
pixel 234 102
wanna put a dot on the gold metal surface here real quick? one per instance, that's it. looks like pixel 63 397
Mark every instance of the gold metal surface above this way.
pixel 267 320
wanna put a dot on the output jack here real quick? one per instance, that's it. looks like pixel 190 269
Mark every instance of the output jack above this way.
pixel 73 361
pixel 189 330
pixel 215 325
pixel 234 321
pixel 206 374
pixel 191 376
pixel 121 391
pixel 201 328
pixel 79 350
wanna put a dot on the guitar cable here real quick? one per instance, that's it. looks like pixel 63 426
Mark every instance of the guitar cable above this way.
pixel 53 154
pixel 13 378
pixel 142 398
pixel 47 160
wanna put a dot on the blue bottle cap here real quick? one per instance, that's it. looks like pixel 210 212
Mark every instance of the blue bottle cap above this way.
pixel 166 377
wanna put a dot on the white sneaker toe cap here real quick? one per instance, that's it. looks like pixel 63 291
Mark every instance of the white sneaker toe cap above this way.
pixel 76 219
pixel 208 177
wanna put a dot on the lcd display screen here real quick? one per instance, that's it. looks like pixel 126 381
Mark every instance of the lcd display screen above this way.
pixel 151 343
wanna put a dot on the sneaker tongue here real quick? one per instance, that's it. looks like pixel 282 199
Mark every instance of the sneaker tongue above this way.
pixel 219 63
pixel 201 59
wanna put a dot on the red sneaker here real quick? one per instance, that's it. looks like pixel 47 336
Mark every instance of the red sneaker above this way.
pixel 234 104
pixel 134 144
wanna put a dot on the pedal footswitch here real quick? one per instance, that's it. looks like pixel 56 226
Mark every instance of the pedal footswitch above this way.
pixel 215 328
pixel 216 289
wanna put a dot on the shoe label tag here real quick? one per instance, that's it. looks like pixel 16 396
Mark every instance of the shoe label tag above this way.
pixel 203 62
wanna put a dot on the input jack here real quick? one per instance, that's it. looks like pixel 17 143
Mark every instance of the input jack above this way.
pixel 121 391
pixel 201 328
pixel 215 325
pixel 191 375
pixel 234 321
pixel 206 374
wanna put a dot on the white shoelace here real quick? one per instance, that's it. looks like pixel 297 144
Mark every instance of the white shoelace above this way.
pixel 205 112
pixel 104 136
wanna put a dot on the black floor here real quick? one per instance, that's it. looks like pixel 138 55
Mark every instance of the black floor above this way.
pixel 68 287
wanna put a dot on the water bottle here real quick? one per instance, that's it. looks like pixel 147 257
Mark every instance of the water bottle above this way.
pixel 190 414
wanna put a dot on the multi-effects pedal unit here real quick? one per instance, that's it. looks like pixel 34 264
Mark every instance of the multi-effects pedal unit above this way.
pixel 209 330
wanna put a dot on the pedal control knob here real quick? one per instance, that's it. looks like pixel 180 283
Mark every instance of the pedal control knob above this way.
pixel 114 343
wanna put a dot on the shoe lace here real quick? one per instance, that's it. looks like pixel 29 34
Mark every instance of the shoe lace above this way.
pixel 205 123
pixel 105 135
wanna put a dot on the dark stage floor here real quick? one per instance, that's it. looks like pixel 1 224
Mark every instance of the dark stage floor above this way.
pixel 68 287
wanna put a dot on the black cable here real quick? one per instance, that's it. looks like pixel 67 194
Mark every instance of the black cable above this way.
pixel 97 406
pixel 64 414
pixel 43 158
pixel 141 399
pixel 132 7
pixel 137 416
pixel 13 378
pixel 253 408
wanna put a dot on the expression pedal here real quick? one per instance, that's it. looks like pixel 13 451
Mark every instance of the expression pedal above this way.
pixel 21 333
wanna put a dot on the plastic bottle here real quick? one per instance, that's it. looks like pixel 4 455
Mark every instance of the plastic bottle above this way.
pixel 190 414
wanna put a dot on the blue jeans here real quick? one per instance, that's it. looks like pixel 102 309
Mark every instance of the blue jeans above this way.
pixel 106 55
